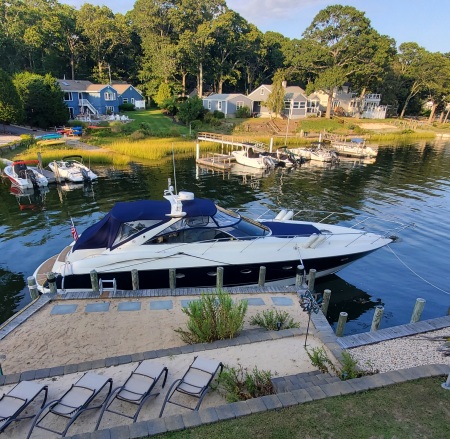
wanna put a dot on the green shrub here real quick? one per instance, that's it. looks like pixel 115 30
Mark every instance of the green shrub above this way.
pixel 196 124
pixel 137 135
pixel 243 113
pixel 218 114
pixel 270 319
pixel 239 385
pixel 213 317
pixel 126 107
pixel 350 368
pixel 319 359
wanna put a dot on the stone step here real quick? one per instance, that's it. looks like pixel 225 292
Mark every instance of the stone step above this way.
pixel 302 381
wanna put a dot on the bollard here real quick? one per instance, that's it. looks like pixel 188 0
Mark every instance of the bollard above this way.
pixel 52 282
pixel 172 278
pixel 326 301
pixel 299 276
pixel 262 276
pixel 418 308
pixel 219 280
pixel 341 324
pixel 379 310
pixel 135 279
pixel 32 287
pixel 94 281
pixel 311 279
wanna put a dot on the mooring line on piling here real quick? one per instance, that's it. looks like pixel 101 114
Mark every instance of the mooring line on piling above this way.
pixel 417 274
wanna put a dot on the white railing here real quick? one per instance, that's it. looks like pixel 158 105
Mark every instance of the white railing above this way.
pixel 87 104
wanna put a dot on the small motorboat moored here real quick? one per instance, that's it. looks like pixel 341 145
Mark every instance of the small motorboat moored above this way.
pixel 25 174
pixel 187 238
pixel 71 168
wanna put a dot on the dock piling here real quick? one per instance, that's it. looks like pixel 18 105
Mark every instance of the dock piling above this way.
pixel 52 282
pixel 311 279
pixel 262 276
pixel 379 310
pixel 418 308
pixel 219 280
pixel 94 281
pixel 326 301
pixel 299 276
pixel 341 324
pixel 135 279
pixel 32 287
pixel 172 278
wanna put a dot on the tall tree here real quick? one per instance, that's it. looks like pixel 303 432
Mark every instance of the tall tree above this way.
pixel 335 49
pixel 275 101
pixel 11 110
pixel 43 100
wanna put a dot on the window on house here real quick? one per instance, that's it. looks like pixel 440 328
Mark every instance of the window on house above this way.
pixel 68 96
pixel 302 105
pixel 80 96
pixel 109 96
pixel 219 105
pixel 295 105
pixel 109 110
pixel 125 100
pixel 132 100
pixel 239 104
pixel 209 105
pixel 287 105
pixel 262 91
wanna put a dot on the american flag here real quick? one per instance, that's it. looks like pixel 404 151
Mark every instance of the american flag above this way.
pixel 73 230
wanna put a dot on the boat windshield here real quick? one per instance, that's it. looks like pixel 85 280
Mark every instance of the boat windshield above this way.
pixel 132 228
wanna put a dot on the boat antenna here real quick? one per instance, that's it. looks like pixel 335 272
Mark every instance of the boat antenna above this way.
pixel 174 172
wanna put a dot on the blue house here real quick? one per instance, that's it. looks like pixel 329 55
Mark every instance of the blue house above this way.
pixel 83 98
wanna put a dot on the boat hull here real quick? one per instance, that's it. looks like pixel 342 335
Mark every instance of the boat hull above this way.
pixel 277 273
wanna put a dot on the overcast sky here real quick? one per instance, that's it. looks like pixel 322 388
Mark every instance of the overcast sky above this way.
pixel 426 22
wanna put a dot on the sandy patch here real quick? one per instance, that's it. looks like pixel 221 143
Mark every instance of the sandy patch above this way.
pixel 377 126
pixel 46 340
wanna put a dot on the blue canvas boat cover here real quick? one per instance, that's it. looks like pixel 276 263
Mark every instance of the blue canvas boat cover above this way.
pixel 103 233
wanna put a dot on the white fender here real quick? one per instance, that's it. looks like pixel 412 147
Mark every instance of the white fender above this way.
pixel 281 215
pixel 289 215
pixel 311 240
pixel 317 242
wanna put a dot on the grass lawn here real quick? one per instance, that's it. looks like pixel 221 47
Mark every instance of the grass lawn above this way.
pixel 416 409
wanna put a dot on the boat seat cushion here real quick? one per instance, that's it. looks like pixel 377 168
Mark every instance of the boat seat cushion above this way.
pixel 291 229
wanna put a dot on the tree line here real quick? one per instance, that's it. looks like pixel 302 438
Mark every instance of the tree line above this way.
pixel 177 45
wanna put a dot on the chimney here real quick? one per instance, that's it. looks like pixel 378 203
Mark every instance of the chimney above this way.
pixel 284 84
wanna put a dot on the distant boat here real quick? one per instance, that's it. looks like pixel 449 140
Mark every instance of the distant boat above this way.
pixel 249 156
pixel 356 148
pixel 24 176
pixel 49 136
pixel 71 168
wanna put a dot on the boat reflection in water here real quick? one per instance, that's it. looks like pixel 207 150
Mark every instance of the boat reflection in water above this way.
pixel 347 298
pixel 30 198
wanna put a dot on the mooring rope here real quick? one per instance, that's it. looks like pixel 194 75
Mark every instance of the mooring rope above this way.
pixel 417 274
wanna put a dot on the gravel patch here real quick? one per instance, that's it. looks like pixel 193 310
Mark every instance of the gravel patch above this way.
pixel 401 353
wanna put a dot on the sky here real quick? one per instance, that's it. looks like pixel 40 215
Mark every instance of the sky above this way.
pixel 425 22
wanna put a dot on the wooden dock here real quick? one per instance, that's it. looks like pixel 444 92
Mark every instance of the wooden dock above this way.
pixel 217 161
pixel 231 141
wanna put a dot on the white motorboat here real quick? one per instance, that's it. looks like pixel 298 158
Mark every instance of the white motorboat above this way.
pixel 71 168
pixel 187 239
pixel 356 148
pixel 24 176
pixel 249 156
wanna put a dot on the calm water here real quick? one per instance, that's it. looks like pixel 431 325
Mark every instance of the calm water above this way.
pixel 409 183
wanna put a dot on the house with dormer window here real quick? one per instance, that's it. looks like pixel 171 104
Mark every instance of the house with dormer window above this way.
pixel 88 99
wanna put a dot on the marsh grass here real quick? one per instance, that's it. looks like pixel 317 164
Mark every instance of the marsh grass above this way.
pixel 269 319
pixel 213 317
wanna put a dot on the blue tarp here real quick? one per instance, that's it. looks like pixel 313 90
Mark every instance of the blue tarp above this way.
pixel 103 233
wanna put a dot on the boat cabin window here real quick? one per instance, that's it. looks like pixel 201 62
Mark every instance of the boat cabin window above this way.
pixel 132 228
pixel 225 217
pixel 189 236
pixel 247 229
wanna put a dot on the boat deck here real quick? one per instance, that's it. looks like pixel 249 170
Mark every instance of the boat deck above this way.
pixel 46 267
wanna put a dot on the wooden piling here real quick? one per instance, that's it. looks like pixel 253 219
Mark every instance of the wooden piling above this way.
pixel 418 308
pixel 299 276
pixel 52 282
pixel 135 279
pixel 326 301
pixel 311 279
pixel 262 276
pixel 172 278
pixel 219 278
pixel 379 310
pixel 341 324
pixel 94 281
pixel 32 287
